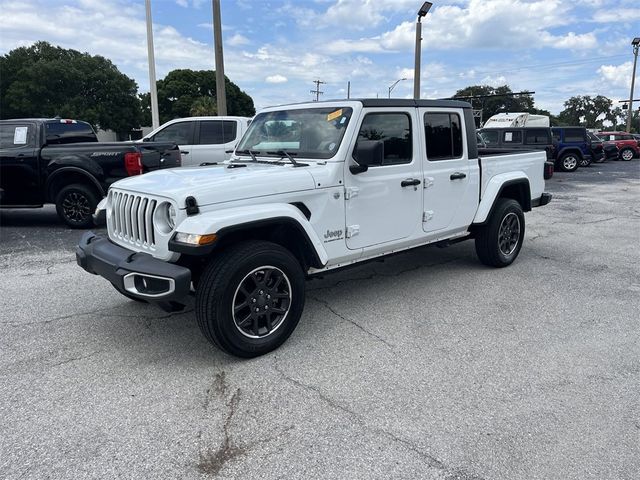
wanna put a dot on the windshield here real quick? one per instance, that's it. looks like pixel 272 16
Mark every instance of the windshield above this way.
pixel 308 133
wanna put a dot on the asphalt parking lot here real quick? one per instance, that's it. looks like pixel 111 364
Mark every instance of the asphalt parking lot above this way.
pixel 428 365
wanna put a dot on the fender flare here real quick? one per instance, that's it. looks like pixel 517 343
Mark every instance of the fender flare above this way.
pixel 60 171
pixel 231 220
pixel 566 150
pixel 494 189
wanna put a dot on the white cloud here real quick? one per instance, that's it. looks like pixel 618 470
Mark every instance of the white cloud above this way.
pixel 237 40
pixel 183 3
pixel 276 79
pixel 617 75
pixel 616 15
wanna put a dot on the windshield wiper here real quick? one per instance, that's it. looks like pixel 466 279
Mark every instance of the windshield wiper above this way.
pixel 284 153
pixel 252 153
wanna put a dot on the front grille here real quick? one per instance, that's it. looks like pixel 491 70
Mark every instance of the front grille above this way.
pixel 131 218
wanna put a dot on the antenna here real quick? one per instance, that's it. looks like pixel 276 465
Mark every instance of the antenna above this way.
pixel 317 91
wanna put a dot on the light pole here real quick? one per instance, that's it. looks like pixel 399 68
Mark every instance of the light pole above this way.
pixel 636 45
pixel 394 85
pixel 153 93
pixel 426 6
pixel 221 95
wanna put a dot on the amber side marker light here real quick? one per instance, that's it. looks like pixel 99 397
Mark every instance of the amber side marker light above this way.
pixel 194 239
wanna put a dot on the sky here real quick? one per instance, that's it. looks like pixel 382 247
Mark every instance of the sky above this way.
pixel 274 50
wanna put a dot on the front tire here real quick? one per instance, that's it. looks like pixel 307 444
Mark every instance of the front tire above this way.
pixel 250 298
pixel 75 205
pixel 626 154
pixel 569 162
pixel 498 243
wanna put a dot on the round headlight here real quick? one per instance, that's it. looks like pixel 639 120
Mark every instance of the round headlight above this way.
pixel 171 217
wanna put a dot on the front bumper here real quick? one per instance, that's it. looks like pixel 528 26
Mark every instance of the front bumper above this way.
pixel 136 274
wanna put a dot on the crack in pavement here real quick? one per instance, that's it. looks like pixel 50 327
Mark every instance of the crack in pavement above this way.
pixel 332 310
pixel 430 460
pixel 75 359
pixel 211 462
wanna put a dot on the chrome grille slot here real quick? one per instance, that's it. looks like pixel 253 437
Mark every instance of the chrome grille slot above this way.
pixel 131 219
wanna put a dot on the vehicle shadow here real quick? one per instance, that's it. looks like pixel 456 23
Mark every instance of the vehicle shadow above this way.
pixel 30 217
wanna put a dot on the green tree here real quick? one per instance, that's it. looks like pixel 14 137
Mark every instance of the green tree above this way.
pixel 501 102
pixel 586 111
pixel 44 81
pixel 185 91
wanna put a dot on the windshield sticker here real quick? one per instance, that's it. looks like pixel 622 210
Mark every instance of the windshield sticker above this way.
pixel 334 115
pixel 20 136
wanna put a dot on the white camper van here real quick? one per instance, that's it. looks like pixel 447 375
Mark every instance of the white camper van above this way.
pixel 521 119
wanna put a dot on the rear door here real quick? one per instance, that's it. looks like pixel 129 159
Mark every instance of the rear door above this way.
pixel 180 133
pixel 19 165
pixel 213 139
pixel 385 203
pixel 450 184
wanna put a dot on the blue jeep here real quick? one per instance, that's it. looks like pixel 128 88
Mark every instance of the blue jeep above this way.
pixel 573 148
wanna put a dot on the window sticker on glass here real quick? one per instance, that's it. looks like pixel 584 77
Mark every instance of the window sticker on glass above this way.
pixel 508 136
pixel 334 115
pixel 20 136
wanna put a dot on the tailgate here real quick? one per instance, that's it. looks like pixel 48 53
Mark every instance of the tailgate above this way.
pixel 157 155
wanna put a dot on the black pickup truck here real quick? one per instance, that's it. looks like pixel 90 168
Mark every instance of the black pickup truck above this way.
pixel 61 161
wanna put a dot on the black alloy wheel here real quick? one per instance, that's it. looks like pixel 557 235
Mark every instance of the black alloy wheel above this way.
pixel 261 302
pixel 75 205
pixel 509 234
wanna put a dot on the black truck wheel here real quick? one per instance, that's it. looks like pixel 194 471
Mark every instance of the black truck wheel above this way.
pixel 498 243
pixel 75 205
pixel 569 162
pixel 584 162
pixel 250 298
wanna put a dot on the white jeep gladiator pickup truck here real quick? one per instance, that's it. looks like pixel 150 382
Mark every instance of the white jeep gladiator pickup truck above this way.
pixel 310 188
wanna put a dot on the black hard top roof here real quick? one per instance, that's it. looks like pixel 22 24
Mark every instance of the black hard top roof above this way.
pixel 394 102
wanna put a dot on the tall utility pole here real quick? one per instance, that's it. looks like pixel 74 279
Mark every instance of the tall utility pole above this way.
pixel 636 45
pixel 221 95
pixel 155 116
pixel 317 91
pixel 426 6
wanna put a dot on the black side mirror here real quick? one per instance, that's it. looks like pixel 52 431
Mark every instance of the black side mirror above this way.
pixel 146 139
pixel 367 153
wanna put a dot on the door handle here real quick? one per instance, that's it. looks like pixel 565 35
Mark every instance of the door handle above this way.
pixel 458 176
pixel 184 152
pixel 410 182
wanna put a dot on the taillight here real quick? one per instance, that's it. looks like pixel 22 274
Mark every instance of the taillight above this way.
pixel 133 163
pixel 548 170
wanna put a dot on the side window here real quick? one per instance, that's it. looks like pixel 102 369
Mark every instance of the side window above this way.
pixel 215 132
pixel 512 136
pixel 556 135
pixel 490 137
pixel 537 137
pixel 179 133
pixel 394 130
pixel 573 135
pixel 443 134
pixel 627 137
pixel 16 136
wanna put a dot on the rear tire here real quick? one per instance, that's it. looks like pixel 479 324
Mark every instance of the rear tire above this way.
pixel 76 204
pixel 250 298
pixel 569 162
pixel 498 243
pixel 584 162
pixel 626 154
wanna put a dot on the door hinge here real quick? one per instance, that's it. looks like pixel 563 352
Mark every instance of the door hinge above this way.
pixel 426 216
pixel 428 182
pixel 350 192
pixel 353 230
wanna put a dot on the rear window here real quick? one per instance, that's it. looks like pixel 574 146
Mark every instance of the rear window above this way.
pixel 443 134
pixel 574 135
pixel 537 137
pixel 490 137
pixel 16 136
pixel 58 133
pixel 512 136
pixel 215 132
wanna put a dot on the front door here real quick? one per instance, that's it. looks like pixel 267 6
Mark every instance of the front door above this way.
pixel 447 172
pixel 385 203
pixel 19 168
pixel 180 133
